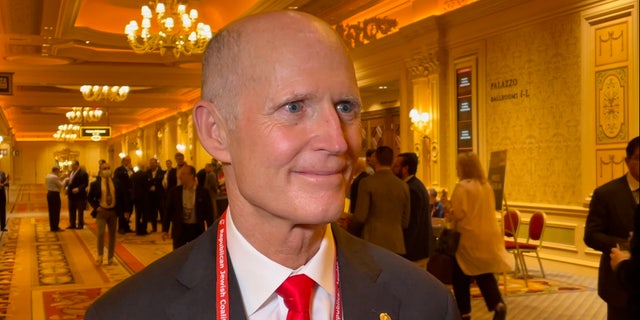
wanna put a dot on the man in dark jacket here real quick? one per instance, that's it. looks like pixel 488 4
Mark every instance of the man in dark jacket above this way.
pixel 77 195
pixel 609 224
pixel 189 208
pixel 140 184
pixel 418 236
pixel 122 179
pixel 156 194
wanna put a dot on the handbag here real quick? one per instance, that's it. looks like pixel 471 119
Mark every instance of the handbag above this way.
pixel 441 266
pixel 448 242
pixel 441 263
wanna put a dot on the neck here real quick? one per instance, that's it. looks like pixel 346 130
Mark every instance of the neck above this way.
pixel 276 238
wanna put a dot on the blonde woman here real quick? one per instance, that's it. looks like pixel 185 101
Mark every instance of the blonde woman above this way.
pixel 481 251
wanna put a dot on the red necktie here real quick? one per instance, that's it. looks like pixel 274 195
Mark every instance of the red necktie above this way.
pixel 296 292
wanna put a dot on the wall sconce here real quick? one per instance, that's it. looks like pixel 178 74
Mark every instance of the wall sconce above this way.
pixel 122 155
pixel 139 152
pixel 420 122
pixel 181 147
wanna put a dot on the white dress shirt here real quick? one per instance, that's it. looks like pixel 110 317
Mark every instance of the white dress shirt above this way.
pixel 259 277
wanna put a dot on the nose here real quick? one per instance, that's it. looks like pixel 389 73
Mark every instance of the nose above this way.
pixel 331 131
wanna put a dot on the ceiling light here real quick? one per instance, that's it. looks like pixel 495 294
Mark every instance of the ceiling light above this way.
pixel 67 132
pixel 84 114
pixel 174 30
pixel 111 93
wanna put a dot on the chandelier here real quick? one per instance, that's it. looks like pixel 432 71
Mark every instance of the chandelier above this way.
pixel 174 30
pixel 84 114
pixel 111 93
pixel 67 132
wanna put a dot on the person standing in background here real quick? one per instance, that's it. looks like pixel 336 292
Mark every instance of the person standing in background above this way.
pixel 4 185
pixel 156 194
pixel 418 236
pixel 481 251
pixel 122 179
pixel 359 173
pixel 383 207
pixel 54 185
pixel 171 175
pixel 188 209
pixel 140 184
pixel 77 195
pixel 104 201
pixel 609 224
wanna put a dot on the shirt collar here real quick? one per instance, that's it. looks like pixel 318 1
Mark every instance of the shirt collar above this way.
pixel 259 276
pixel 633 183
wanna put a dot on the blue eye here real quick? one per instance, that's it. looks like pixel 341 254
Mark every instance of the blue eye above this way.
pixel 294 107
pixel 345 107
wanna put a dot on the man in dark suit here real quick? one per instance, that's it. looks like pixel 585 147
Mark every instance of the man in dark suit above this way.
pixel 287 147
pixel 171 176
pixel 156 194
pixel 77 195
pixel 609 224
pixel 418 236
pixel 626 265
pixel 4 185
pixel 140 184
pixel 384 205
pixel 189 208
pixel 122 179
pixel 360 172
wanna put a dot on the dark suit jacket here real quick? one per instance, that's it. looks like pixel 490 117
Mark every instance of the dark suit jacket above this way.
pixel 95 192
pixel 628 271
pixel 181 285
pixel 173 216
pixel 81 181
pixel 123 184
pixel 418 236
pixel 140 184
pixel 156 182
pixel 353 191
pixel 609 222
pixel 172 178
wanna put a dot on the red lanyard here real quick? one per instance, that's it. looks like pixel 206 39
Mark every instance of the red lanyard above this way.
pixel 222 276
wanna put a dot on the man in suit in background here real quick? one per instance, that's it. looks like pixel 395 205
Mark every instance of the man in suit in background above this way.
pixel 359 173
pixel 156 194
pixel 288 147
pixel 122 179
pixel 4 186
pixel 171 175
pixel 609 224
pixel 384 205
pixel 140 184
pixel 418 236
pixel 189 208
pixel 77 195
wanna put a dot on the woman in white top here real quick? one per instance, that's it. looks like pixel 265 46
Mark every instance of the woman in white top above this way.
pixel 481 251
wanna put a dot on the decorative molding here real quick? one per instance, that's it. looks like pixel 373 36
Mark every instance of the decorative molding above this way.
pixel 363 32
pixel 611 106
pixel 612 44
pixel 423 65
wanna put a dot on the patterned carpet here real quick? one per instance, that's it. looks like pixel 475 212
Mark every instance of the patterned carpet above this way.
pixel 49 275
pixel 46 275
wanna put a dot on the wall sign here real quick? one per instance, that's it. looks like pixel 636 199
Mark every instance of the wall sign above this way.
pixel 6 83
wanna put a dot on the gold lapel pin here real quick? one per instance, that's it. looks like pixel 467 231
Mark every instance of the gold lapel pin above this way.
pixel 384 316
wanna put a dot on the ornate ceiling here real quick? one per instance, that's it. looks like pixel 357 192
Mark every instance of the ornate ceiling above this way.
pixel 52 47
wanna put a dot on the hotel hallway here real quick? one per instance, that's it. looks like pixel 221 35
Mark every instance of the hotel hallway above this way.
pixel 48 275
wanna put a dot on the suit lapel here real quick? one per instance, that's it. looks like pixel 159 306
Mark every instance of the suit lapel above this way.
pixel 197 276
pixel 363 296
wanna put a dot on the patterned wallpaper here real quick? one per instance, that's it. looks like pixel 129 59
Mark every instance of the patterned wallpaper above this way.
pixel 533 110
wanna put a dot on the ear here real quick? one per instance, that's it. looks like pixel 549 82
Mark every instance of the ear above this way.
pixel 211 130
